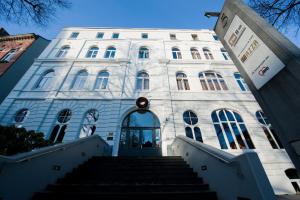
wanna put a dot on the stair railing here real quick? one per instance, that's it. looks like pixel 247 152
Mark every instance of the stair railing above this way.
pixel 233 177
pixel 23 174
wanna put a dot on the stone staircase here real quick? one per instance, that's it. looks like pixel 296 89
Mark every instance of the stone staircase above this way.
pixel 129 178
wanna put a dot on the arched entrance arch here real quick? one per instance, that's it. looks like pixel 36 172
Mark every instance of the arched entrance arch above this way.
pixel 140 134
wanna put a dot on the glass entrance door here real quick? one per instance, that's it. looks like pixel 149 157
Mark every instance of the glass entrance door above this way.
pixel 140 135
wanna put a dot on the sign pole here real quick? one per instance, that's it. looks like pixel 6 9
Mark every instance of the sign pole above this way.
pixel 270 65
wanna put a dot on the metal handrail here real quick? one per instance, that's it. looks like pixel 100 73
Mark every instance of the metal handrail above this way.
pixel 47 150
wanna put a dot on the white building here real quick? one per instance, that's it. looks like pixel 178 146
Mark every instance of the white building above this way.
pixel 87 82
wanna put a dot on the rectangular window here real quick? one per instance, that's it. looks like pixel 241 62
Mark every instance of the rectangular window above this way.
pixel 195 37
pixel 216 37
pixel 115 35
pixel 74 35
pixel 173 36
pixel 145 35
pixel 99 35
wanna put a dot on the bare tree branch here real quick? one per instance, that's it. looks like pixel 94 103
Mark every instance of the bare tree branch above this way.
pixel 39 12
pixel 282 14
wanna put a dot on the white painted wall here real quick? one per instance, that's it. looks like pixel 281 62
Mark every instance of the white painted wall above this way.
pixel 119 99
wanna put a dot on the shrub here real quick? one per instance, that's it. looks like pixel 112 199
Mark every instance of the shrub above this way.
pixel 17 140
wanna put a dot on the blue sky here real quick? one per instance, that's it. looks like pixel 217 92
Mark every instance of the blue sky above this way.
pixel 130 13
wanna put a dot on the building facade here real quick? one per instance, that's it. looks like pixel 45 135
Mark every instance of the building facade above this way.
pixel 17 53
pixel 87 81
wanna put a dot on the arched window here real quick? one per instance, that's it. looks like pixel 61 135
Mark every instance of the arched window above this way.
pixel 225 54
pixel 142 82
pixel 20 117
pixel 89 123
pixel 143 53
pixel 207 53
pixel 101 81
pixel 176 53
pixel 191 128
pixel 45 80
pixel 92 52
pixel 241 82
pixel 294 177
pixel 195 53
pixel 231 130
pixel 80 80
pixel 59 130
pixel 211 80
pixel 110 52
pixel 182 81
pixel 269 132
pixel 9 55
pixel 63 52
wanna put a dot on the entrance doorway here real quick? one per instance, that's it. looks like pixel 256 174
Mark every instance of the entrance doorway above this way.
pixel 140 135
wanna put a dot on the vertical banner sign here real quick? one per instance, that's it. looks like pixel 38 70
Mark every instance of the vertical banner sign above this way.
pixel 258 61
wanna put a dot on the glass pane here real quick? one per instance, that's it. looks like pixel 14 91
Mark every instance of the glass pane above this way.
pixel 229 115
pixel 147 138
pixel 197 133
pixel 211 86
pixel 104 83
pixel 216 83
pixel 222 116
pixel 247 136
pixel 223 84
pixel 238 136
pixel 146 84
pixel 142 118
pixel 204 85
pixel 179 84
pixel 139 84
pixel 271 140
pixel 214 117
pixel 237 117
pixel 134 138
pixel 220 136
pixel 189 133
pixel 229 136
pixel 186 84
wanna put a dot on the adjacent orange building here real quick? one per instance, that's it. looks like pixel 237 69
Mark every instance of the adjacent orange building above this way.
pixel 17 53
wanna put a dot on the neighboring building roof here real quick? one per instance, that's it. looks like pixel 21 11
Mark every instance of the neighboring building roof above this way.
pixel 20 37
pixel 3 32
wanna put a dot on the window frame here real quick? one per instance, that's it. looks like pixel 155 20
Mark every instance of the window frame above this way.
pixel 182 81
pixel 145 36
pixel 215 83
pixel 101 34
pixel 142 81
pixel 44 80
pixel 115 36
pixel 63 51
pixel 195 53
pixel 173 36
pixel 110 52
pixel 207 53
pixel 102 80
pixel 92 52
pixel 195 36
pixel 80 80
pixel 176 53
pixel 231 133
pixel 241 82
pixel 9 55
pixel 74 35
pixel 144 52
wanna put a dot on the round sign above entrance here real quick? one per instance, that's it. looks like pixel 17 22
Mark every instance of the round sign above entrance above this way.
pixel 142 102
